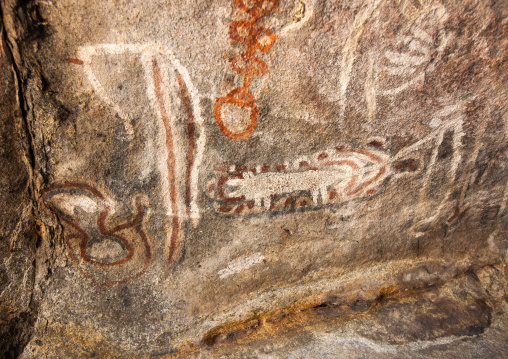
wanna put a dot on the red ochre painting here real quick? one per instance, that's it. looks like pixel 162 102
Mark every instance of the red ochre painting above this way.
pixel 168 85
pixel 106 251
pixel 256 38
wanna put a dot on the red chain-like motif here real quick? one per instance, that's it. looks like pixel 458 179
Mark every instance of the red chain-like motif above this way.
pixel 256 38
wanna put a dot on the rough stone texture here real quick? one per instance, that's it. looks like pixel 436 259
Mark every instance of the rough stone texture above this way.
pixel 338 189
pixel 18 228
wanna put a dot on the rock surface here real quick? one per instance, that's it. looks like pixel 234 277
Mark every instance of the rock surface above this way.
pixel 254 178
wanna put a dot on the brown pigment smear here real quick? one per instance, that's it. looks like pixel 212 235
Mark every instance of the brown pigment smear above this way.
pixel 74 61
pixel 157 77
pixel 457 213
pixel 191 130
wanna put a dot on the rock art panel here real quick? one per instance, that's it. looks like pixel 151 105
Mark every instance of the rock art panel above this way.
pixel 370 176
pixel 167 83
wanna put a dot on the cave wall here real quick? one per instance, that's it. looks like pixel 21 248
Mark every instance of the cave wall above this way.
pixel 269 178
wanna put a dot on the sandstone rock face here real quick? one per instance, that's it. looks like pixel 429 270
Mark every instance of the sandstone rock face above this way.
pixel 254 178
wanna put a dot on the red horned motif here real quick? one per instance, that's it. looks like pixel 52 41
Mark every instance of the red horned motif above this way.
pixel 105 253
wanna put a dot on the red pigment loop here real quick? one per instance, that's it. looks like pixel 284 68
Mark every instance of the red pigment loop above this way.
pixel 256 38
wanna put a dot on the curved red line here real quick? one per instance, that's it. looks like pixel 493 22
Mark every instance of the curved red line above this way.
pixel 170 160
pixel 191 129
pixel 129 224
pixel 83 237
pixel 102 229
pixel 351 164
pixel 148 258
pixel 365 184
pixel 66 184
pixel 220 190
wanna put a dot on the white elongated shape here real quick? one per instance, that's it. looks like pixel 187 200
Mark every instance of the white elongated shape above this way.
pixel 265 185
pixel 240 264
pixel 148 52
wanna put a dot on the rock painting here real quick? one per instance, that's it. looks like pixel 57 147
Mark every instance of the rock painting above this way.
pixel 407 60
pixel 332 177
pixel 180 149
pixel 406 67
pixel 327 178
pixel 235 104
pixel 106 250
pixel 350 52
pixel 452 127
pixel 240 264
pixel 391 68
